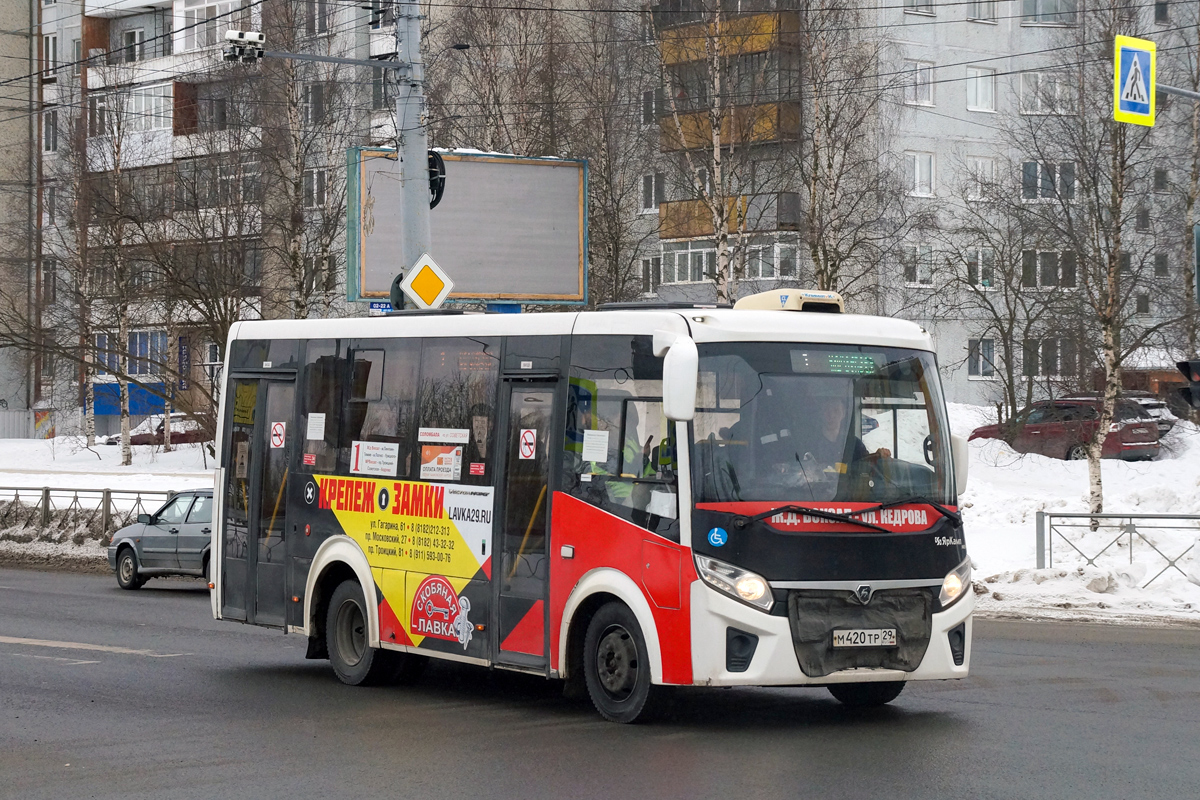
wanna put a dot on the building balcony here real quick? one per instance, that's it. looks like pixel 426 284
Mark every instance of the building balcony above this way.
pixel 752 33
pixel 757 213
pixel 765 122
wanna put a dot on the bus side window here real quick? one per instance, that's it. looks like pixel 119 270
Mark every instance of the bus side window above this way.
pixel 618 453
pixel 321 403
pixel 382 393
pixel 459 381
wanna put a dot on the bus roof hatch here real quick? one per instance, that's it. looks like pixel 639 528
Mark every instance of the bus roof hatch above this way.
pixel 793 300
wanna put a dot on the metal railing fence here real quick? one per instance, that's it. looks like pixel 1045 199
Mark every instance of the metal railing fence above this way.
pixel 1092 536
pixel 82 513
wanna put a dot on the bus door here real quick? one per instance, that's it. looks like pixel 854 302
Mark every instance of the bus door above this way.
pixel 256 472
pixel 520 574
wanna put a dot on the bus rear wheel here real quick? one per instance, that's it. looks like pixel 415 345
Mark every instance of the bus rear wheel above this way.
pixel 616 665
pixel 866 695
pixel 347 638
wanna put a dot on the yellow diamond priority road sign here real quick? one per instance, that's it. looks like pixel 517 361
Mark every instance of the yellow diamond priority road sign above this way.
pixel 425 284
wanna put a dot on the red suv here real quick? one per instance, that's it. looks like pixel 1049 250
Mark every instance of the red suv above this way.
pixel 1062 428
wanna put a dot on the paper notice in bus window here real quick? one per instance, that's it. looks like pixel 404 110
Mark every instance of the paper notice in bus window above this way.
pixel 374 458
pixel 595 446
pixel 242 468
pixel 440 462
pixel 316 427
pixel 662 504
pixel 444 435
pixel 480 427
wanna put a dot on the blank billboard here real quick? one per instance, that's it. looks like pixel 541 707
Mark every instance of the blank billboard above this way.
pixel 508 228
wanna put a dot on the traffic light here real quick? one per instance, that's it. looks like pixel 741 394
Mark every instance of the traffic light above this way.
pixel 1191 371
pixel 437 178
pixel 244 46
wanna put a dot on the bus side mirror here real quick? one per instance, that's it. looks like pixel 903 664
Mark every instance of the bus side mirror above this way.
pixel 960 453
pixel 681 368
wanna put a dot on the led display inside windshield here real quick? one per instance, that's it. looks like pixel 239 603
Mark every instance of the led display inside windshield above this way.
pixel 835 363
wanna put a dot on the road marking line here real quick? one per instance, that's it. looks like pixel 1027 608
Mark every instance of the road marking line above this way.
pixel 74 662
pixel 100 648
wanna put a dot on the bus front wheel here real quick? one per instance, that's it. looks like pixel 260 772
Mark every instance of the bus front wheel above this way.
pixel 866 695
pixel 346 635
pixel 616 665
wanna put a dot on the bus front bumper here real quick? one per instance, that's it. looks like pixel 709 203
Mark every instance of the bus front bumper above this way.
pixel 774 662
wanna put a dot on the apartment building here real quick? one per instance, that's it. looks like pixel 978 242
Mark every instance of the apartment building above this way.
pixel 179 191
pixel 957 84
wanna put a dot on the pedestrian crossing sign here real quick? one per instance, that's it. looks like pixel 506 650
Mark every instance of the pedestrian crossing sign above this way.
pixel 1133 81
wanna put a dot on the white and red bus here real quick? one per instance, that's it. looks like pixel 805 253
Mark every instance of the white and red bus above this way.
pixel 621 499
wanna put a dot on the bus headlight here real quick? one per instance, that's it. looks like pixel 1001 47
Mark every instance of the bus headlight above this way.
pixel 956 584
pixel 740 584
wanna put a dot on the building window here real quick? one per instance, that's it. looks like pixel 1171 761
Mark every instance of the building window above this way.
pixel 317 16
pixel 49 280
pixel 50 131
pixel 694 262
pixel 1048 269
pixel 49 202
pixel 917 260
pixel 1143 304
pixel 1045 180
pixel 1050 92
pixel 50 55
pixel 653 190
pixel 133 45
pixel 77 56
pixel 1161 267
pixel 760 261
pixel 383 89
pixel 205 22
pixel 651 274
pixel 1142 220
pixel 981 89
pixel 1125 263
pixel 312 104
pixel 918 6
pixel 981 10
pixel 1048 12
pixel 215 113
pixel 981 355
pixel 46 353
pixel 1161 180
pixel 652 105
pixel 320 273
pixel 1049 357
pixel 314 188
pixel 148 108
pixel 147 352
pixel 918 174
pixel 1162 14
pixel 981 172
pixel 918 85
pixel 981 267
pixel 381 14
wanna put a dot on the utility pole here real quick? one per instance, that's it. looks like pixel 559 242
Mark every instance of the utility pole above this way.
pixel 411 137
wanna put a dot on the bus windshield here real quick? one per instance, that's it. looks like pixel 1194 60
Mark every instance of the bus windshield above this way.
pixel 790 423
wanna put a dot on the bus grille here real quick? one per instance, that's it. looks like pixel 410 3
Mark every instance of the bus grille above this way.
pixel 815 614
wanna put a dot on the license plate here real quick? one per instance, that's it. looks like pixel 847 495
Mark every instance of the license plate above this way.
pixel 873 637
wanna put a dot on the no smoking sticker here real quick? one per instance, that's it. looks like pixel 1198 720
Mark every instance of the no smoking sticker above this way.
pixel 278 434
pixel 528 444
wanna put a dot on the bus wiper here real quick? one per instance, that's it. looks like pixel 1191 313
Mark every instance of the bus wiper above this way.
pixel 742 521
pixel 938 507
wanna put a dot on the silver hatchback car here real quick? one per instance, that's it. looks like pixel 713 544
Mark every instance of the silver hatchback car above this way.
pixel 172 541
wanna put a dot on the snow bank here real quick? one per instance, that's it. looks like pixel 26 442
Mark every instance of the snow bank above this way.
pixel 1006 490
pixel 67 462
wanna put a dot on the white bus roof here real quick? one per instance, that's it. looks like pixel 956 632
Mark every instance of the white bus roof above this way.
pixel 703 324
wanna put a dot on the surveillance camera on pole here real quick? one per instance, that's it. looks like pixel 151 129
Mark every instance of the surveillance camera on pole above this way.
pixel 244 46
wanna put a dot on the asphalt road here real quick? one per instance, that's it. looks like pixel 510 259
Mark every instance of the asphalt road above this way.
pixel 176 705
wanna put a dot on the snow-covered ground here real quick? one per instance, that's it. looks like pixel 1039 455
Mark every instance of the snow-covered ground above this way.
pixel 68 463
pixel 1004 493
pixel 1006 490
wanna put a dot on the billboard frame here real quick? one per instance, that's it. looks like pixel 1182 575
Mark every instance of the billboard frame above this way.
pixel 356 160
